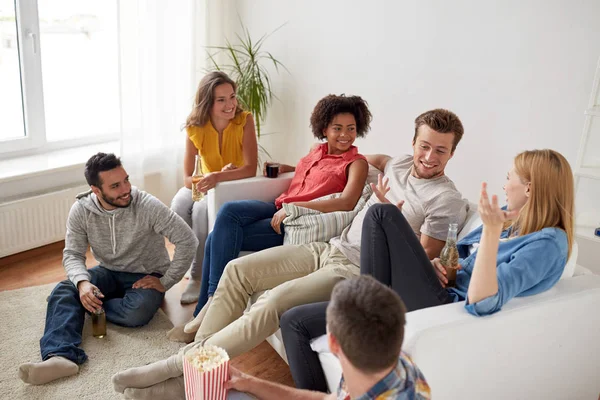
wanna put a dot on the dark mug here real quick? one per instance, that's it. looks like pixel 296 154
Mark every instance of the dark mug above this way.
pixel 272 170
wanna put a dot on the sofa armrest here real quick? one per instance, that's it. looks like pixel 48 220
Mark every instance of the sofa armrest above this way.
pixel 257 188
pixel 543 346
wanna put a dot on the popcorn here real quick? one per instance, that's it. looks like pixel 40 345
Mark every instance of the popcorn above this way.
pixel 206 358
pixel 205 371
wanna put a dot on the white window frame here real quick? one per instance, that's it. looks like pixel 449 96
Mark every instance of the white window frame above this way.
pixel 30 62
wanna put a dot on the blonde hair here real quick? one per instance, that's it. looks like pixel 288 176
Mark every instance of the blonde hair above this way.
pixel 552 200
pixel 205 98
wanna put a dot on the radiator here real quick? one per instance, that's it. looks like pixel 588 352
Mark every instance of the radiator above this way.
pixel 35 221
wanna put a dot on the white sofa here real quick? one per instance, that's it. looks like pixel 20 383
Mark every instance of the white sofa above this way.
pixel 544 346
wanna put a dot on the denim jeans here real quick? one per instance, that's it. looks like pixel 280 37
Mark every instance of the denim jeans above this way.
pixel 298 327
pixel 390 252
pixel 243 225
pixel 123 306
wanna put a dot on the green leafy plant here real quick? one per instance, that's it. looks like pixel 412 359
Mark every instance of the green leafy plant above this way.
pixel 246 64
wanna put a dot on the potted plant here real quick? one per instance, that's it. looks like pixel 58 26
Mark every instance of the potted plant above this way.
pixel 246 64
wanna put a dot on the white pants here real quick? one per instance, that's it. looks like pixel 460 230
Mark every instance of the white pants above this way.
pixel 195 214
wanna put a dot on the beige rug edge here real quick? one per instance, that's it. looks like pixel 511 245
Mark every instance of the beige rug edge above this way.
pixel 22 317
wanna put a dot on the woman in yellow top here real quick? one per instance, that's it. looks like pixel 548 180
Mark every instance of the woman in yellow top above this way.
pixel 223 135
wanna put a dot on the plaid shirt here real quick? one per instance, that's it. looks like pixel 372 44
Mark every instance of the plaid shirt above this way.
pixel 405 382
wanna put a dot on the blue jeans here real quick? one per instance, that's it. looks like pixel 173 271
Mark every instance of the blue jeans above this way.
pixel 123 306
pixel 243 225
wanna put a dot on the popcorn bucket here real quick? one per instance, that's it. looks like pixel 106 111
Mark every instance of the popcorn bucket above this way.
pixel 205 371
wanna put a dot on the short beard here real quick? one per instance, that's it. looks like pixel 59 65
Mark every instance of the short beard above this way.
pixel 112 203
pixel 436 175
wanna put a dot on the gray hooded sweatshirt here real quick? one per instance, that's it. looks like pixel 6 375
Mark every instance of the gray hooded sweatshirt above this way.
pixel 129 239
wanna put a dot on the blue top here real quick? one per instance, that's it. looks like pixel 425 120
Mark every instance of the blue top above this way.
pixel 526 265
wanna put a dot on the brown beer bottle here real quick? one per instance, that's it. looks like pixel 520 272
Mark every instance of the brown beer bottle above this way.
pixel 98 321
pixel 449 255
pixel 197 195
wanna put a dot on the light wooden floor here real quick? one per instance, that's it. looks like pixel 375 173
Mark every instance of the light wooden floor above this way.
pixel 44 265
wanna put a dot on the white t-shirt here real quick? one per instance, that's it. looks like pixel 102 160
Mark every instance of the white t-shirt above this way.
pixel 430 205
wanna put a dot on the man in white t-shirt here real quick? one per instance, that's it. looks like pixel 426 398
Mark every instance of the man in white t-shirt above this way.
pixel 302 274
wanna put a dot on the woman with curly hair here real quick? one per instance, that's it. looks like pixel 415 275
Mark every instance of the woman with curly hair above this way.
pixel 331 167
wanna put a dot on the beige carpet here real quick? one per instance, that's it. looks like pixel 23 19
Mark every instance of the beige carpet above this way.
pixel 22 316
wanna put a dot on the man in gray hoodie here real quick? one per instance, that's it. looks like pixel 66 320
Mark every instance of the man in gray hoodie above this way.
pixel 125 229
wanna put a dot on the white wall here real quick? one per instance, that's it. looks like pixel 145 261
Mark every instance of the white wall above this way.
pixel 518 73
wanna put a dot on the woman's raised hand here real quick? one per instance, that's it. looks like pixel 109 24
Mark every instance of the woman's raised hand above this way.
pixel 490 212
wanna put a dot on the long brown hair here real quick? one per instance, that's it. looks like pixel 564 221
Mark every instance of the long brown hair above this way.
pixel 552 200
pixel 205 98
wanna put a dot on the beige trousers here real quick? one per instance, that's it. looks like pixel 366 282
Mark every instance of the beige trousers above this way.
pixel 293 275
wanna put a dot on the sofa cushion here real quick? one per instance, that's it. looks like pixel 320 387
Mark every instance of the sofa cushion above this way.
pixel 571 262
pixel 303 225
pixel 471 223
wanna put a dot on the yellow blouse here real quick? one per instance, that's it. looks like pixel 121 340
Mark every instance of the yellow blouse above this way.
pixel 206 140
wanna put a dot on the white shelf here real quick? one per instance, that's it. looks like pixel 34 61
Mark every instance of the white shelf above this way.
pixel 588 172
pixel 586 232
pixel 594 111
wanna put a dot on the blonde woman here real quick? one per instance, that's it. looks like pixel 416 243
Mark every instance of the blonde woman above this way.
pixel 223 135
pixel 520 250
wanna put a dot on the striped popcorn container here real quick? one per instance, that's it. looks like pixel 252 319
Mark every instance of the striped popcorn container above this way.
pixel 205 371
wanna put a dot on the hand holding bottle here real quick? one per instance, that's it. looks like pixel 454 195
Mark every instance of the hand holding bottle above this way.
pixel 207 182
pixel 449 256
pixel 442 272
pixel 196 178
pixel 90 296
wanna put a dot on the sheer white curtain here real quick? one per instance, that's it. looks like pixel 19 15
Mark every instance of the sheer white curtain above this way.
pixel 158 81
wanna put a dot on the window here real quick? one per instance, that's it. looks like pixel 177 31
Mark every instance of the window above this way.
pixel 59 73
pixel 11 100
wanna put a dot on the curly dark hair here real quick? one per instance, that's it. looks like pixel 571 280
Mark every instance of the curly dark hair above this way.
pixel 330 106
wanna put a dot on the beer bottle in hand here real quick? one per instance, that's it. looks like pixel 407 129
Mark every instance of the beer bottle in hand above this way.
pixel 197 195
pixel 98 320
pixel 449 255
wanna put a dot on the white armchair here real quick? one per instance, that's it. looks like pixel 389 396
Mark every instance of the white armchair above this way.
pixel 257 188
pixel 543 346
